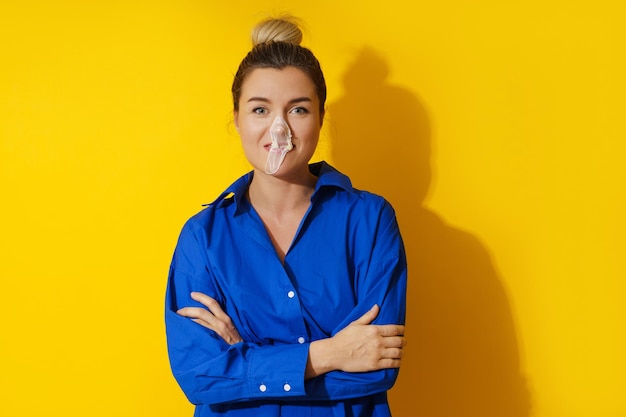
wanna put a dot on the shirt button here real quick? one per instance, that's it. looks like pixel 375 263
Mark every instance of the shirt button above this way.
pixel 262 388
pixel 287 387
pixel 291 294
pixel 301 340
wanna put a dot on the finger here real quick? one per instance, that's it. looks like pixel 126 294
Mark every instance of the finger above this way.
pixel 205 300
pixel 217 310
pixel 213 305
pixel 210 324
pixel 187 312
pixel 203 323
pixel 369 316
pixel 391 329
pixel 393 353
pixel 389 363
pixel 196 313
pixel 394 342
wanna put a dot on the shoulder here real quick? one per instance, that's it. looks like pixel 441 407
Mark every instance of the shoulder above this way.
pixel 365 212
pixel 345 193
pixel 219 212
pixel 227 201
pixel 372 210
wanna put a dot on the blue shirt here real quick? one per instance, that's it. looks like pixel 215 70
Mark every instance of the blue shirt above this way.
pixel 346 256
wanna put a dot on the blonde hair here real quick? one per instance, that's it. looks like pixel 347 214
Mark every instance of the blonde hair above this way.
pixel 285 28
pixel 276 44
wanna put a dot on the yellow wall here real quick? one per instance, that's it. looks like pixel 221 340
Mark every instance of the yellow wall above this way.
pixel 495 128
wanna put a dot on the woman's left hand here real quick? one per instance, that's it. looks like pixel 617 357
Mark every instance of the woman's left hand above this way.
pixel 213 317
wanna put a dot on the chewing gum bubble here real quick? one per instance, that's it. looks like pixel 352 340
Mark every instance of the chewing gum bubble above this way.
pixel 281 144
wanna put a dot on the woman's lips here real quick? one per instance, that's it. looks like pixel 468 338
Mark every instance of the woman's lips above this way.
pixel 268 146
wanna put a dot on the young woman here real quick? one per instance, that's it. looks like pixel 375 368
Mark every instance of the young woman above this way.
pixel 286 295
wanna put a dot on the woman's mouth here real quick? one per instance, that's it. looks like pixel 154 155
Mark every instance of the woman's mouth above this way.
pixel 268 146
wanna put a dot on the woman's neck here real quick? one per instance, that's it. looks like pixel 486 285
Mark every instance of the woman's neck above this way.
pixel 277 196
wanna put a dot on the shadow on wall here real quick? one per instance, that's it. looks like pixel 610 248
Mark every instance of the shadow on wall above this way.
pixel 462 359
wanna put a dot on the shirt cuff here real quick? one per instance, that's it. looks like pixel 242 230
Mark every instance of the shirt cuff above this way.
pixel 278 371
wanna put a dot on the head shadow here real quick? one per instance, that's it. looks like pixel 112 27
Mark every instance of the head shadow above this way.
pixel 463 355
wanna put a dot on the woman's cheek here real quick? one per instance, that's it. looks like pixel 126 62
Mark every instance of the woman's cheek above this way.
pixel 255 130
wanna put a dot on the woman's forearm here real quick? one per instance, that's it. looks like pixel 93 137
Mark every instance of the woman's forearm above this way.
pixel 320 359
pixel 359 347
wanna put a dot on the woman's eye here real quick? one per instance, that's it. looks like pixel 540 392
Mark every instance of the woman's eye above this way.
pixel 299 110
pixel 259 110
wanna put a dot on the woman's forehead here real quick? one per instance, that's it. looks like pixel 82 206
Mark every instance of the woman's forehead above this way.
pixel 277 83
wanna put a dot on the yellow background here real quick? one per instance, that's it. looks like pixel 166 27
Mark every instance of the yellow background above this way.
pixel 495 128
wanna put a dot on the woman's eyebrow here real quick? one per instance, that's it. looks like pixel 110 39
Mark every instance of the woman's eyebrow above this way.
pixel 299 100
pixel 258 99
pixel 293 100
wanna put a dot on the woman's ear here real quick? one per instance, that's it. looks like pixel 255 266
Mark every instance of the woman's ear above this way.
pixel 235 120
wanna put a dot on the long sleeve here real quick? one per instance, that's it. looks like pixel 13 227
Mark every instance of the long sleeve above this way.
pixel 381 278
pixel 207 368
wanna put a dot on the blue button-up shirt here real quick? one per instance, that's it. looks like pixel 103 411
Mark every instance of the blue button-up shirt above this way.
pixel 346 256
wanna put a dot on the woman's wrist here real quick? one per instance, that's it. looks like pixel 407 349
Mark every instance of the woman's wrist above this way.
pixel 320 360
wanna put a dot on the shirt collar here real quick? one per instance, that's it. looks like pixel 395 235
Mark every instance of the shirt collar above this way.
pixel 327 176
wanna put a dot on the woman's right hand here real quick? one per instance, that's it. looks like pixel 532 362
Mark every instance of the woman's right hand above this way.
pixel 212 317
pixel 359 347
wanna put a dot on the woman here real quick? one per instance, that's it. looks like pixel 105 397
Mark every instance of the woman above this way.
pixel 286 295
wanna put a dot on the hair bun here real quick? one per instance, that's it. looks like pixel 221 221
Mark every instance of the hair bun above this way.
pixel 280 29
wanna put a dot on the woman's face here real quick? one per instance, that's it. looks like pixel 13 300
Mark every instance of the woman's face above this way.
pixel 267 93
